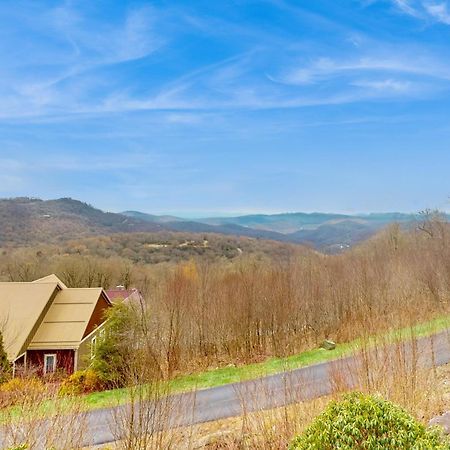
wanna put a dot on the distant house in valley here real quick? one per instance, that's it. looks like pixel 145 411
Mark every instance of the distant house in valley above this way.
pixel 120 294
pixel 48 326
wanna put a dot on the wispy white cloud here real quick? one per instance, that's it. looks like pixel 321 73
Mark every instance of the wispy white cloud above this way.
pixel 439 11
pixel 62 75
pixel 186 118
pixel 389 74
pixel 386 86
pixel 427 10
pixel 323 68
pixel 85 80
pixel 107 43
pixel 406 7
pixel 67 161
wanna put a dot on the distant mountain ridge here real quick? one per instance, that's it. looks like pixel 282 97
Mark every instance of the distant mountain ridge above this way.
pixel 25 221
pixel 152 217
pixel 283 223
pixel 328 232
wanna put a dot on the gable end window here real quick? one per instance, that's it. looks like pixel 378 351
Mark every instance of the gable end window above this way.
pixel 93 346
pixel 49 363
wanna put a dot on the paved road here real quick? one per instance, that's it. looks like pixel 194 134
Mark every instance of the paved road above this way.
pixel 279 389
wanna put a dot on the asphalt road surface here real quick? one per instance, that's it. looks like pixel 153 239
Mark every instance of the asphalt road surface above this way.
pixel 270 391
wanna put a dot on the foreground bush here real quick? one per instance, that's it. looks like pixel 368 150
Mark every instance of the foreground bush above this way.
pixel 17 390
pixel 81 382
pixel 366 422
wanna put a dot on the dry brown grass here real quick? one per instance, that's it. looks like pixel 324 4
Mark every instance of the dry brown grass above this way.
pixel 269 429
pixel 208 315
pixel 23 424
pixel 199 315
pixel 403 372
pixel 204 314
pixel 391 370
pixel 275 428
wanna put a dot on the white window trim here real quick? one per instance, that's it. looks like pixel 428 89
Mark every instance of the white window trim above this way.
pixel 93 346
pixel 45 362
pixel 93 332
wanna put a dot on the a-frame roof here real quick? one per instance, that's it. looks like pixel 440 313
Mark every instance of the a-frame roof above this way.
pixel 66 321
pixel 22 308
pixel 52 278
pixel 46 314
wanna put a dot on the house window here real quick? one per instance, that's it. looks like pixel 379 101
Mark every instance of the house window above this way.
pixel 93 346
pixel 49 363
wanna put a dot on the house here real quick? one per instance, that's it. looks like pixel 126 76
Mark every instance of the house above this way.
pixel 120 294
pixel 48 326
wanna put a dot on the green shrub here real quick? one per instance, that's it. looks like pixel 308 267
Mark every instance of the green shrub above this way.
pixel 366 422
pixel 5 366
pixel 113 350
pixel 81 382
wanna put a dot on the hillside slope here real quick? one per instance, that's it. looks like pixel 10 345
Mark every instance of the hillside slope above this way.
pixel 281 223
pixel 335 237
pixel 326 232
pixel 29 221
pixel 26 221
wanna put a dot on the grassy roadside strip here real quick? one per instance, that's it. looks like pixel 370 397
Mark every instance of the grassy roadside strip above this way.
pixel 226 375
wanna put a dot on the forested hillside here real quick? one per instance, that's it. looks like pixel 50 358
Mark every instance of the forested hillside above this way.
pixel 25 221
pixel 29 221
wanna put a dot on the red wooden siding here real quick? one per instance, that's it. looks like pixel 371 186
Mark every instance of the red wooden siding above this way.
pixel 64 360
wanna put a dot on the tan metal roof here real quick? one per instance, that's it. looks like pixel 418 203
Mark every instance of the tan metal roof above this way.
pixel 45 314
pixel 22 307
pixel 51 279
pixel 67 319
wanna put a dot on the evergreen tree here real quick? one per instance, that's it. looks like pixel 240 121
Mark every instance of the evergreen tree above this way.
pixel 5 366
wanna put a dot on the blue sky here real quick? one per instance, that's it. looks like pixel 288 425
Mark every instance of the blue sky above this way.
pixel 215 107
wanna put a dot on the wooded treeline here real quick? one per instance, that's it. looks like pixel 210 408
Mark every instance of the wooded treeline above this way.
pixel 203 313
